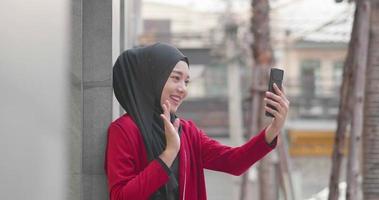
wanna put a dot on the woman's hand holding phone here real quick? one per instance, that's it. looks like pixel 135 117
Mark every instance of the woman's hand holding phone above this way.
pixel 279 101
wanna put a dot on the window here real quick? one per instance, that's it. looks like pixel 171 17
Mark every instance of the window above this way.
pixel 156 30
pixel 216 80
pixel 310 79
pixel 196 88
pixel 337 75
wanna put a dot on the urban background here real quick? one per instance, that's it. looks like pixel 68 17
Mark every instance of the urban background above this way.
pixel 56 61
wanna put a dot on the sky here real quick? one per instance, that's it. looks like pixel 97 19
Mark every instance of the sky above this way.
pixel 219 5
pixel 205 5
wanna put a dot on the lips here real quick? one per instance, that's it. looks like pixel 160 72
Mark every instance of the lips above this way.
pixel 175 99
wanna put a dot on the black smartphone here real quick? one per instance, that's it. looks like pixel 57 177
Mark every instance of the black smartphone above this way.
pixel 276 76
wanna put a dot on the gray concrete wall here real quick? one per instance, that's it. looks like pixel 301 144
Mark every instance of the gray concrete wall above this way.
pixel 97 94
pixel 56 98
pixel 34 47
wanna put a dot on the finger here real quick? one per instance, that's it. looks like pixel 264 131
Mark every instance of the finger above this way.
pixel 166 114
pixel 273 96
pixel 272 111
pixel 277 105
pixel 164 107
pixel 167 124
pixel 281 92
pixel 282 100
pixel 272 103
pixel 283 95
pixel 164 118
pixel 168 109
pixel 284 104
pixel 278 90
pixel 176 124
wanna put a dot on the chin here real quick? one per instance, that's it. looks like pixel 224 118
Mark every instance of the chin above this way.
pixel 173 110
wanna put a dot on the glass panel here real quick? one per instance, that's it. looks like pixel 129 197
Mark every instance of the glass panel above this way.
pixel 337 75
pixel 310 78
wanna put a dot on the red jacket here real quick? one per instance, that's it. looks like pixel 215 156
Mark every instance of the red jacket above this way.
pixel 130 176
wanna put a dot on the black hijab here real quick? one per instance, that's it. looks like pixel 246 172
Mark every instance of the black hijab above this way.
pixel 139 76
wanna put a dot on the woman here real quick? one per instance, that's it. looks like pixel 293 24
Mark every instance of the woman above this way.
pixel 153 154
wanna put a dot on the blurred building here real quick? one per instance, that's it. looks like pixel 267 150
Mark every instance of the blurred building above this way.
pixel 196 34
pixel 310 44
pixel 57 65
pixel 309 39
pixel 181 25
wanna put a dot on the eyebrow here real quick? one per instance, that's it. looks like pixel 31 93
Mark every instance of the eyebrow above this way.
pixel 181 73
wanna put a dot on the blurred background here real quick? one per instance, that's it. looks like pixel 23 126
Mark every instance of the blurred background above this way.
pixel 56 61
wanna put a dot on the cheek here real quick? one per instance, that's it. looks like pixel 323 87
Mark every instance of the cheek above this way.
pixel 163 97
pixel 165 93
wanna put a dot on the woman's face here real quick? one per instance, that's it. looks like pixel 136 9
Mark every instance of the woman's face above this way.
pixel 175 89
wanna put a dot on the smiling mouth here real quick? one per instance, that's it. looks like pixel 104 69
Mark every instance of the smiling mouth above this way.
pixel 175 100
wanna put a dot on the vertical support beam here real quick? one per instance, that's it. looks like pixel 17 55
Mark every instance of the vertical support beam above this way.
pixel 234 94
pixel 97 94
pixel 117 45
pixel 75 99
pixel 344 115
pixel 353 190
pixel 371 117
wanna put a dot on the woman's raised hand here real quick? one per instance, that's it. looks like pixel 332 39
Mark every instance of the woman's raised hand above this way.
pixel 281 103
pixel 172 136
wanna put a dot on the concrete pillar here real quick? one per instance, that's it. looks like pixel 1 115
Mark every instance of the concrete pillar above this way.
pixel 97 94
pixel 234 94
pixel 90 97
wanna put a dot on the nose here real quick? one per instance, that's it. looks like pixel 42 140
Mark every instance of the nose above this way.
pixel 182 87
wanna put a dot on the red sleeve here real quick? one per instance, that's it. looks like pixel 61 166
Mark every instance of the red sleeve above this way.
pixel 237 160
pixel 124 181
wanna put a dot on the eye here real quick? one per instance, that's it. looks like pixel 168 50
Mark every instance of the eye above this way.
pixel 187 82
pixel 177 78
